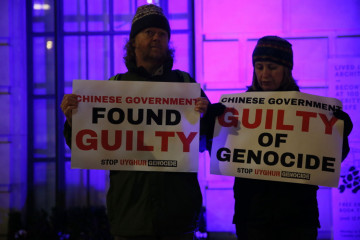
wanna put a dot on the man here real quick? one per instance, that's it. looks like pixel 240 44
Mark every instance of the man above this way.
pixel 151 205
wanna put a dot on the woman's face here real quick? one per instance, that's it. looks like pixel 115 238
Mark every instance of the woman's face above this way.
pixel 269 75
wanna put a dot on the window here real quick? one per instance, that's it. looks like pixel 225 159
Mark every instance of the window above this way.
pixel 80 39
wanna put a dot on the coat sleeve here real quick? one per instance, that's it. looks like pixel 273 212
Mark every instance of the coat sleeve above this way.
pixel 348 126
pixel 345 148
pixel 207 122
pixel 67 133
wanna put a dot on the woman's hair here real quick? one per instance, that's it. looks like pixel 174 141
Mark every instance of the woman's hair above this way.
pixel 288 83
pixel 130 52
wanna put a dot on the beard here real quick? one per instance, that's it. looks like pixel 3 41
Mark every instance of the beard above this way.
pixel 154 53
pixel 154 56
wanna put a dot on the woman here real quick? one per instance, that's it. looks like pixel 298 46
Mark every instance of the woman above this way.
pixel 277 210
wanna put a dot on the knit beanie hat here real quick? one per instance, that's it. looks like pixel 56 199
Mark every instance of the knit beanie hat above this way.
pixel 146 16
pixel 273 49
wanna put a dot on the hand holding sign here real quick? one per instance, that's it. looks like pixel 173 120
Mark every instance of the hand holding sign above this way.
pixel 69 103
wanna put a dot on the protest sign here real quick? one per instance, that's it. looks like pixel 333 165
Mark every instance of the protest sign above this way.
pixel 278 136
pixel 133 125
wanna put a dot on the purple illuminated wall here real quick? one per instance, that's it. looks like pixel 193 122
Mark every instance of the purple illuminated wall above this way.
pixel 325 34
pixel 321 32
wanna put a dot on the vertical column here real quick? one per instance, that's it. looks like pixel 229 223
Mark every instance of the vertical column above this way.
pixel 13 111
pixel 4 120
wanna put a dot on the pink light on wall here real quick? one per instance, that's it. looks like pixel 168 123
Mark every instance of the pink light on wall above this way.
pixel 225 36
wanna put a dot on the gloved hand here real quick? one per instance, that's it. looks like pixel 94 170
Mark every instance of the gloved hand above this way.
pixel 348 125
pixel 216 109
pixel 207 124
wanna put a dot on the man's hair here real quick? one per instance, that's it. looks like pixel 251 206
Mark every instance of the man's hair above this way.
pixel 288 82
pixel 130 56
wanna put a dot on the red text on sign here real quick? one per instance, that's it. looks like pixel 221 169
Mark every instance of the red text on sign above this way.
pixel 89 140
pixel 230 118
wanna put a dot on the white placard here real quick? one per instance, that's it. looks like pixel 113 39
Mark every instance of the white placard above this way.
pixel 133 125
pixel 278 136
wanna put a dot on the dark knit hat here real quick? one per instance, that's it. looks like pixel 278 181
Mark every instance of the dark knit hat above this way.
pixel 146 16
pixel 273 49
